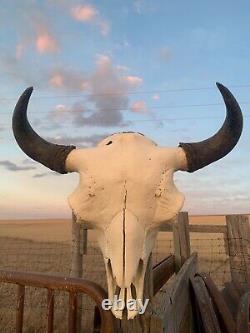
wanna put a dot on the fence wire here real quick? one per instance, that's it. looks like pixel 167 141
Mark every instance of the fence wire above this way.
pixel 55 258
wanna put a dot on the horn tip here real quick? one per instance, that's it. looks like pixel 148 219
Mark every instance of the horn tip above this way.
pixel 25 96
pixel 219 85
pixel 28 91
pixel 224 91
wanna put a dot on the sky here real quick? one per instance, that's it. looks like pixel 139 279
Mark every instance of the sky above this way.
pixel 100 67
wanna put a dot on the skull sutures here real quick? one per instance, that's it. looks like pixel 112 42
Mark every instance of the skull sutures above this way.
pixel 126 189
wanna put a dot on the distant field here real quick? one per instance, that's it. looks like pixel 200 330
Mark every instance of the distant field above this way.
pixel 40 230
pixel 60 229
pixel 45 246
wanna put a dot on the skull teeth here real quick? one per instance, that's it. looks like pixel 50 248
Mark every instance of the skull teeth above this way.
pixel 124 294
pixel 117 313
pixel 132 314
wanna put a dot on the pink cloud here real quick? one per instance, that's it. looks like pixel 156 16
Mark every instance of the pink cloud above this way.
pixel 139 106
pixel 103 60
pixel 45 43
pixel 107 93
pixel 133 80
pixel 155 97
pixel 84 13
pixel 104 27
pixel 88 14
pixel 68 79
pixel 60 108
pixel 56 80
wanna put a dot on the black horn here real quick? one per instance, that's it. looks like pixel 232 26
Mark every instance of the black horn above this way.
pixel 200 154
pixel 51 155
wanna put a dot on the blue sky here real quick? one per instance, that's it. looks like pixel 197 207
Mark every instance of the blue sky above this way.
pixel 100 67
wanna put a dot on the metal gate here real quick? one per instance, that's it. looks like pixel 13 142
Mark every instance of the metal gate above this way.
pixel 74 286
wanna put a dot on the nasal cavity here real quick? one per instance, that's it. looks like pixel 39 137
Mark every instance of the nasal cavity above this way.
pixel 109 143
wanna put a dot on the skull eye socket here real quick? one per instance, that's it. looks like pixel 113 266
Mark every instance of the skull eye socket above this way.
pixel 109 143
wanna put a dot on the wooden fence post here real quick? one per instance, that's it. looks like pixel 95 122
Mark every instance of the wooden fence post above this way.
pixel 78 248
pixel 239 247
pixel 84 237
pixel 181 240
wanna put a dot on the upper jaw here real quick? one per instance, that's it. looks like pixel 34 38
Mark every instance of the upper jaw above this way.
pixel 126 293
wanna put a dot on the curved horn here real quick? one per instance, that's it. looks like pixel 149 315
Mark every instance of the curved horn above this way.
pixel 51 155
pixel 200 154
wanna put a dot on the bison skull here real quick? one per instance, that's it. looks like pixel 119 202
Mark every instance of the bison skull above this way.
pixel 126 189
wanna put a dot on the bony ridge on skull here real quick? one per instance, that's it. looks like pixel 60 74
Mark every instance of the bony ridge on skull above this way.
pixel 126 188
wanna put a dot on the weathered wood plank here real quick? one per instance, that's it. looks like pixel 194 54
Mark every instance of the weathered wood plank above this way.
pixel 220 306
pixel 166 227
pixel 162 272
pixel 243 317
pixel 239 247
pixel 181 240
pixel 174 309
pixel 205 306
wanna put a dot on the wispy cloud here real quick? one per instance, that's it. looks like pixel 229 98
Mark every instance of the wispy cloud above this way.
pixel 106 91
pixel 19 50
pixel 139 106
pixel 36 32
pixel 138 6
pixel 35 37
pixel 87 13
pixel 134 81
pixel 10 166
pixel 16 69
pixel 142 6
pixel 81 141
pixel 68 79
pixel 84 13
pixel 46 43
pixel 28 161
pixel 165 54
pixel 155 97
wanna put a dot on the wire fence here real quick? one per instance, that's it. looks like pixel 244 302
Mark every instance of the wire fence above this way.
pixel 55 258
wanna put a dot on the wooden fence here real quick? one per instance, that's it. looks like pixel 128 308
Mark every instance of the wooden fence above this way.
pixel 174 312
pixel 236 234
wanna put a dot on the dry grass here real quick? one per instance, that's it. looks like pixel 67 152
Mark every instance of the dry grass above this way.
pixel 44 246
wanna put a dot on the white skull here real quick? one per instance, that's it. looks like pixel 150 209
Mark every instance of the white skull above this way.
pixel 126 191
pixel 126 188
